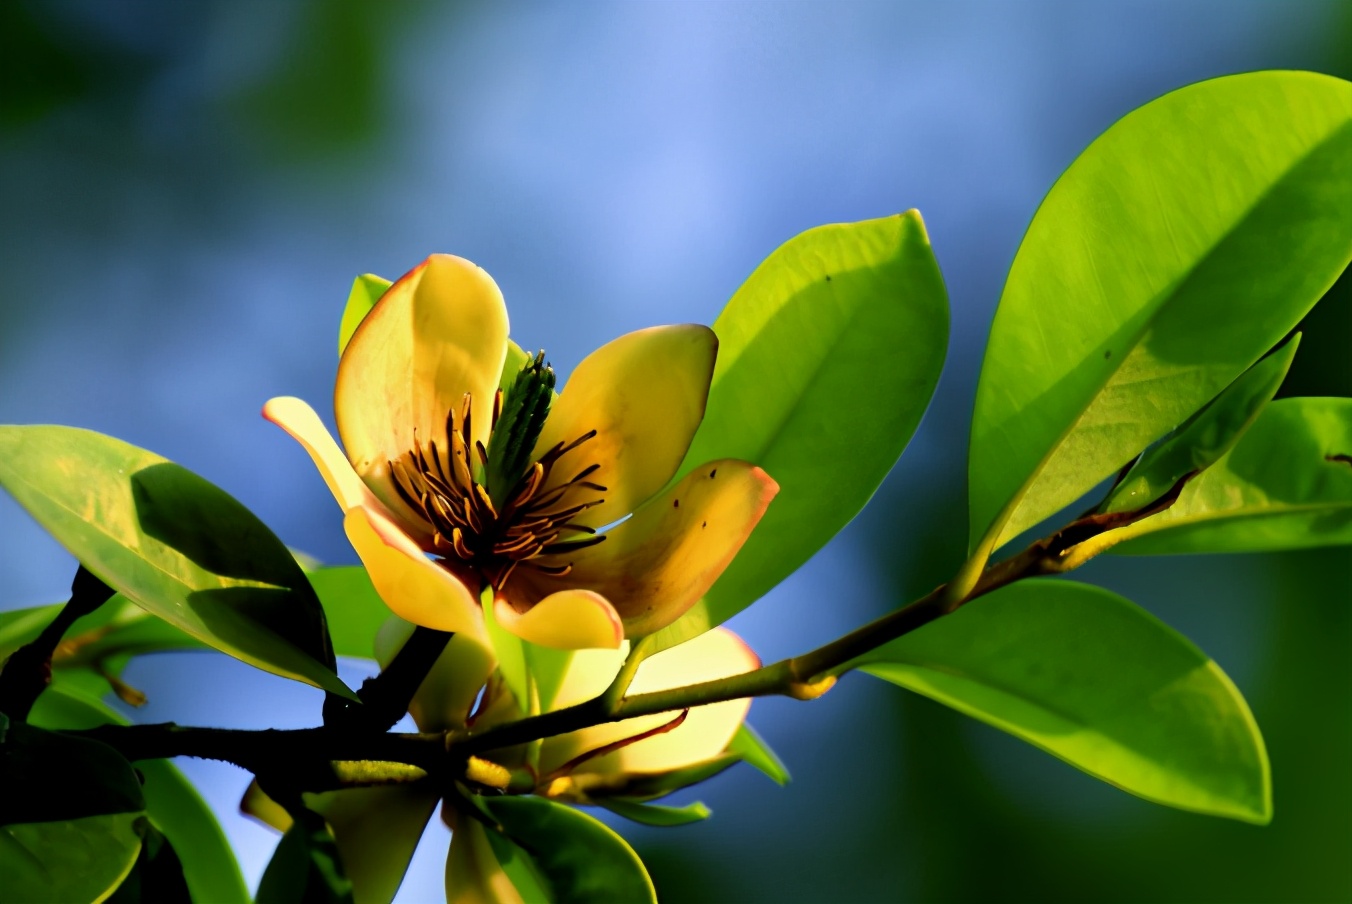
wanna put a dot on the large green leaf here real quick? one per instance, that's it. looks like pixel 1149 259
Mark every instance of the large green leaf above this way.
pixel 173 543
pixel 1202 439
pixel 1287 484
pixel 1175 251
pixel 354 610
pixel 827 357
pixel 579 860
pixel 1097 681
pixel 67 860
pixel 70 816
pixel 171 802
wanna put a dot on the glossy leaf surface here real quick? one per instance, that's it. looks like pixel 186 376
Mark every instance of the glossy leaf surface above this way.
pixel 70 810
pixel 352 607
pixel 1099 682
pixel 1203 438
pixel 1175 251
pixel 1287 484
pixel 828 355
pixel 173 543
pixel 579 859
pixel 171 802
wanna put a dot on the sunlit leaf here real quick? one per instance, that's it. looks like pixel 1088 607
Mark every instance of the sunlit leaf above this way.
pixel 1175 251
pixel 366 291
pixel 1097 681
pixel 171 802
pixel 579 859
pixel 753 750
pixel 655 814
pixel 1202 439
pixel 68 860
pixel 827 357
pixel 175 544
pixel 1287 484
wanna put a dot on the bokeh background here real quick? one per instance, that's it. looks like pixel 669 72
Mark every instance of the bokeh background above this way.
pixel 189 188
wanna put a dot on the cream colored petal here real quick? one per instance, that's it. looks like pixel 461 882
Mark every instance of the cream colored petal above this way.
pixel 473 874
pixel 436 334
pixel 376 829
pixel 414 587
pixel 444 699
pixel 644 394
pixel 567 620
pixel 298 419
pixel 655 566
pixel 704 734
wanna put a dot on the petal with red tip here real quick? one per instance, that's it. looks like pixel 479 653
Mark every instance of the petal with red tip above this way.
pixel 655 566
pixel 566 620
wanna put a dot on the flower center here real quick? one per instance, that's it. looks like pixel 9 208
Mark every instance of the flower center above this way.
pixel 494 508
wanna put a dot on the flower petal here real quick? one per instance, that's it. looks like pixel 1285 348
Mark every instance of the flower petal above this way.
pixel 436 334
pixel 567 620
pixel 377 830
pixel 414 587
pixel 473 874
pixel 644 395
pixel 297 418
pixel 655 566
pixel 705 733
pixel 444 699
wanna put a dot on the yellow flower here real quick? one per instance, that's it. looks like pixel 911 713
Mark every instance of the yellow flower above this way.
pixel 378 828
pixel 519 493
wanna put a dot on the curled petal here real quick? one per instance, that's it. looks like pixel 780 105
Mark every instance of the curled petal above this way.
pixel 704 734
pixel 644 395
pixel 436 334
pixel 655 566
pixel 444 699
pixel 566 620
pixel 415 588
pixel 298 419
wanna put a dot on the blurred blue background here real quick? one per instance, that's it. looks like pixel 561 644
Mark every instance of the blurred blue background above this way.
pixel 192 186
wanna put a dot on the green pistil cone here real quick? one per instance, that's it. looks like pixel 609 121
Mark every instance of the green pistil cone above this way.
pixel 525 405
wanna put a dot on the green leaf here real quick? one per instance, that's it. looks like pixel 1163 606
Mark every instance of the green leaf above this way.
pixel 175 544
pixel 1287 484
pixel 68 860
pixel 171 802
pixel 1176 250
pixel 69 815
pixel 1202 439
pixel 366 291
pixel 306 866
pixel 157 877
pixel 827 357
pixel 1099 682
pixel 753 750
pixel 654 814
pixel 579 858
pixel 21 626
pixel 353 609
